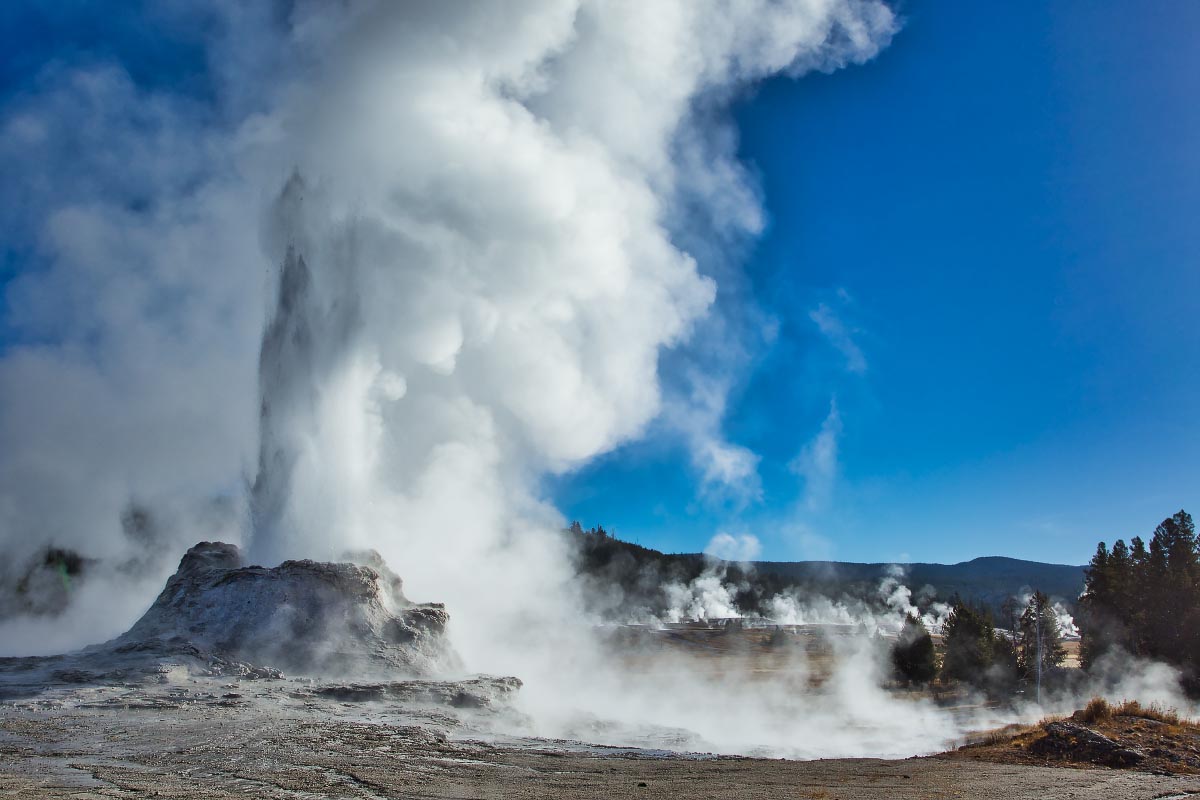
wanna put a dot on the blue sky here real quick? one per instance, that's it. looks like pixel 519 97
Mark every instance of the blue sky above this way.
pixel 996 222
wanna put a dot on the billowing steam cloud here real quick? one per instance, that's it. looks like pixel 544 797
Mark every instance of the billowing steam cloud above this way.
pixel 463 219
pixel 479 276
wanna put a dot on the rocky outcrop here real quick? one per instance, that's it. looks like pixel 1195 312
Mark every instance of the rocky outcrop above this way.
pixel 1069 741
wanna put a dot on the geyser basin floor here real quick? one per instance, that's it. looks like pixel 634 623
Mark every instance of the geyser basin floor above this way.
pixel 247 748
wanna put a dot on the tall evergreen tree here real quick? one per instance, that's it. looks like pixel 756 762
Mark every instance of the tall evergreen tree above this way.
pixel 1173 570
pixel 974 653
pixel 1003 673
pixel 1137 553
pixel 913 657
pixel 1095 616
pixel 1126 601
pixel 1146 599
pixel 1111 608
pixel 1041 647
pixel 1010 611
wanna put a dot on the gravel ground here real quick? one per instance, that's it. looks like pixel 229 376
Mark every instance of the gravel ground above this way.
pixel 237 748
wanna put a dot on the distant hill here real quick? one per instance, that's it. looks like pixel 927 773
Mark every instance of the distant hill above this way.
pixel 988 580
pixel 622 579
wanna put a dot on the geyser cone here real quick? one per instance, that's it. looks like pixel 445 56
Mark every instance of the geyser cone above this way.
pixel 302 616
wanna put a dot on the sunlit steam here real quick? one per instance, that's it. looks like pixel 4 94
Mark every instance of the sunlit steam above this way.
pixel 478 277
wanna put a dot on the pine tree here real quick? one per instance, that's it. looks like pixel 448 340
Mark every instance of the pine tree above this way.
pixel 971 646
pixel 1107 609
pixel 1125 598
pixel 1010 611
pixel 1004 672
pixel 1095 614
pixel 1137 553
pixel 913 656
pixel 1145 600
pixel 1173 567
pixel 1041 647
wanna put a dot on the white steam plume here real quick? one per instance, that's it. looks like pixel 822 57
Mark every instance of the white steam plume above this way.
pixel 482 217
pixel 491 190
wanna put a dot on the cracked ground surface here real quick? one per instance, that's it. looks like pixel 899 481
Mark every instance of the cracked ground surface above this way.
pixel 214 747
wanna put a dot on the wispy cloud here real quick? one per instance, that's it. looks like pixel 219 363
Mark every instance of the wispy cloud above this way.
pixel 728 471
pixel 831 325
pixel 817 462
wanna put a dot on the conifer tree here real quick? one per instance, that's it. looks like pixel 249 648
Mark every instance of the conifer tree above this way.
pixel 913 658
pixel 1041 647
pixel 1172 568
pixel 1145 600
pixel 974 653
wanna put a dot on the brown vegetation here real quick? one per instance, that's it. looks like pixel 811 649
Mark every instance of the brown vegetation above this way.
pixel 1099 709
pixel 1123 735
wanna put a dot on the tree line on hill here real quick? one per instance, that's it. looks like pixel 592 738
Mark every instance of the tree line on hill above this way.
pixel 1145 600
pixel 621 580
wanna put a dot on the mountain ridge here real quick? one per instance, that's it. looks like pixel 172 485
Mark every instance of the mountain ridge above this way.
pixel 604 562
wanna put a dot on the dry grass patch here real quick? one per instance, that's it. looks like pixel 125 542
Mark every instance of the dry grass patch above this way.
pixel 1154 711
pixel 1099 710
pixel 1015 733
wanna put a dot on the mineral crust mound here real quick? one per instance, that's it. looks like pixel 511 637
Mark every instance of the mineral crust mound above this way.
pixel 304 617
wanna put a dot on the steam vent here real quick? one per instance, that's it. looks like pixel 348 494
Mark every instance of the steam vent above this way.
pixel 344 619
